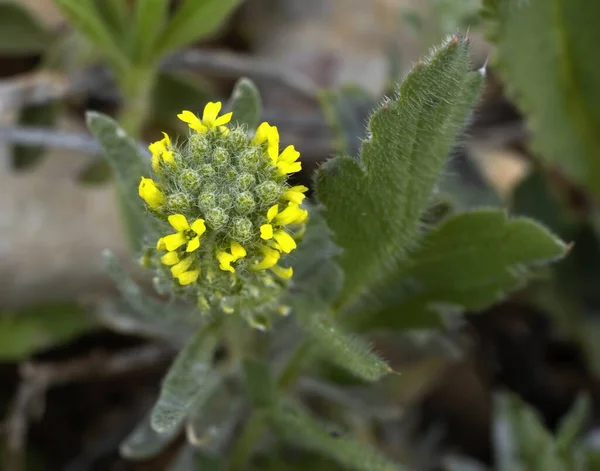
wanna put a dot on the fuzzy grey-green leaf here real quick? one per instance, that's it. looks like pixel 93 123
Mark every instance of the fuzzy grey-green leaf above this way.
pixel 246 104
pixel 547 53
pixel 129 166
pixel 469 261
pixel 145 442
pixel 374 203
pixel 190 381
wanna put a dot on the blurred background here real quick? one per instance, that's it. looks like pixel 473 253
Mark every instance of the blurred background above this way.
pixel 74 385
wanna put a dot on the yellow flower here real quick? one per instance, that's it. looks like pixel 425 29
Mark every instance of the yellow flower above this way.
pixel 150 192
pixel 182 271
pixel 159 150
pixel 210 118
pixel 269 134
pixel 185 233
pixel 291 215
pixel 285 273
pixel 227 258
pixel 188 277
pixel 170 258
pixel 286 162
pixel 285 242
pixel 270 259
pixel 295 194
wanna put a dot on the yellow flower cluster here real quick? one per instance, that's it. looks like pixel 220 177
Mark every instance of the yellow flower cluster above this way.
pixel 272 238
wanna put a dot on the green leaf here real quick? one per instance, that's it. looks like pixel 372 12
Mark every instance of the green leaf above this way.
pixel 374 203
pixel 86 18
pixel 574 423
pixel 189 382
pixel 195 19
pixel 246 104
pixel 545 51
pixel 115 14
pixel 145 442
pixel 336 346
pixel 260 384
pixel 149 19
pixel 20 32
pixel 128 166
pixel 294 425
pixel 316 274
pixel 24 332
pixel 140 313
pixel 470 261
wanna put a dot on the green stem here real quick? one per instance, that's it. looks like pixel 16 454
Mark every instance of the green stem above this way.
pixel 136 85
pixel 255 426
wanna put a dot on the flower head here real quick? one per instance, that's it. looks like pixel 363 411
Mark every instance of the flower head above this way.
pixel 233 217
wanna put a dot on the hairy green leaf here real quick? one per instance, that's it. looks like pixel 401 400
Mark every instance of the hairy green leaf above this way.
pixel 145 442
pixel 546 52
pixel 129 165
pixel 20 32
pixel 149 19
pixel 246 104
pixel 142 314
pixel 374 203
pixel 336 346
pixel 299 428
pixel 470 261
pixel 194 20
pixel 189 382
pixel 86 18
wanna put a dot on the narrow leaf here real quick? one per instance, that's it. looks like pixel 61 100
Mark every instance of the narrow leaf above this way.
pixel 294 425
pixel 260 384
pixel 336 346
pixel 374 203
pixel 190 381
pixel 574 423
pixel 20 32
pixel 129 166
pixel 86 18
pixel 545 51
pixel 470 261
pixel 145 442
pixel 195 19
pixel 149 19
pixel 246 104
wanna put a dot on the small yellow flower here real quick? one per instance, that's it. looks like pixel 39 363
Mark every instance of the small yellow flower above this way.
pixel 185 233
pixel 210 118
pixel 227 258
pixel 286 162
pixel 189 277
pixel 295 194
pixel 293 214
pixel 269 134
pixel 285 242
pixel 270 259
pixel 160 150
pixel 150 192
pixel 170 258
pixel 285 273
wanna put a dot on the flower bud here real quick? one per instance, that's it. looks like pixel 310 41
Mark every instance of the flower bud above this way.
pixel 244 203
pixel 190 179
pixel 216 218
pixel 220 157
pixel 241 230
pixel 245 181
pixel 178 203
pixel 207 201
pixel 268 192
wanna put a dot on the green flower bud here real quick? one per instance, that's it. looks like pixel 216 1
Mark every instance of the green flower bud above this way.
pixel 244 203
pixel 198 147
pixel 207 201
pixel 220 157
pixel 216 218
pixel 245 181
pixel 238 139
pixel 268 192
pixel 207 171
pixel 178 203
pixel 250 159
pixel 225 200
pixel 190 180
pixel 241 230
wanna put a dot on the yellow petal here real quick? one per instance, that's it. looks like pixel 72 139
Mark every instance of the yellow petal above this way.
pixel 167 156
pixel 285 241
pixel 224 119
pixel 272 212
pixel 166 139
pixel 273 143
pixel 270 260
pixel 150 193
pixel 237 251
pixel 289 214
pixel 179 222
pixel 286 168
pixel 266 231
pixel 174 241
pixel 188 277
pixel 262 134
pixel 224 130
pixel 225 260
pixel 289 155
pixel 199 227
pixel 192 120
pixel 160 244
pixel 301 217
pixel 285 273
pixel 182 267
pixel 170 258
pixel 211 111
pixel 193 244
pixel 295 196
